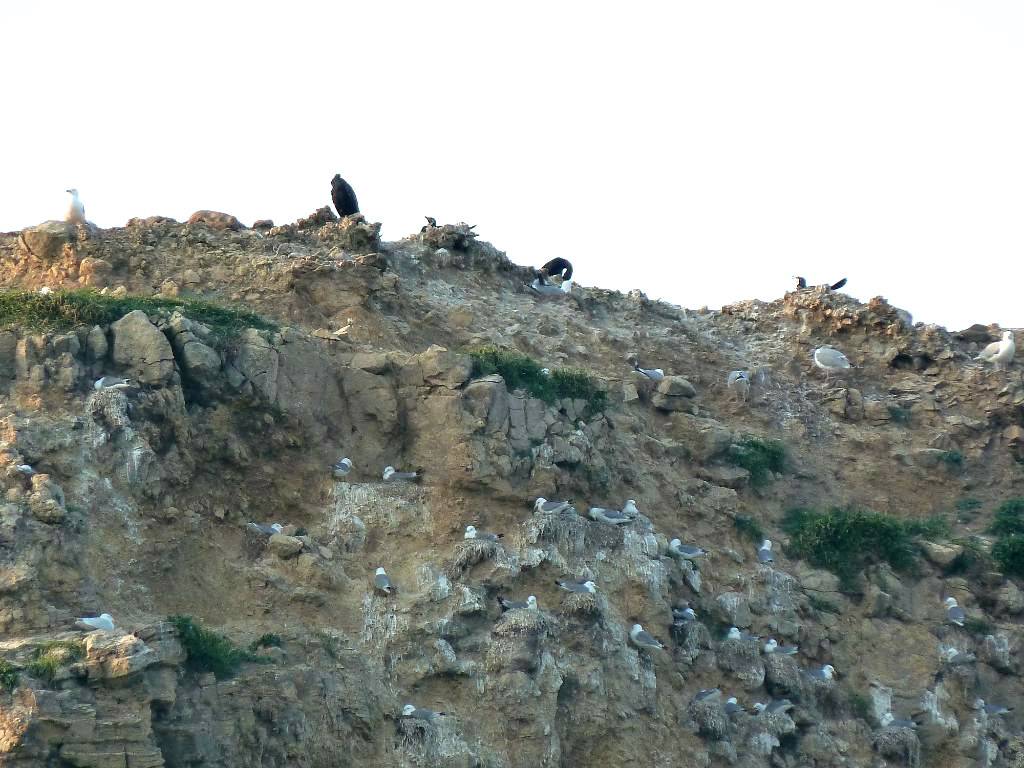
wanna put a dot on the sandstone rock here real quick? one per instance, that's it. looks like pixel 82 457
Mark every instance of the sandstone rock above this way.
pixel 1010 599
pixel 705 439
pixel 46 242
pixel 141 349
pixel 671 394
pixel 284 546
pixel 96 344
pixel 940 554
pixel 46 499
pixel 94 272
pixel 215 220
pixel 439 367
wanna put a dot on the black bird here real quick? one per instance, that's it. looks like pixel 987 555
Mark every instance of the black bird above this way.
pixel 838 285
pixel 431 222
pixel 800 283
pixel 344 196
pixel 561 267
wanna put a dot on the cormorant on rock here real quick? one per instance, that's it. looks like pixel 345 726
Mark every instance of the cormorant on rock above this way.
pixel 801 284
pixel 344 196
pixel 561 267
pixel 431 222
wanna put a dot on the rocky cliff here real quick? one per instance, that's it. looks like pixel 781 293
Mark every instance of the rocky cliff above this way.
pixel 886 490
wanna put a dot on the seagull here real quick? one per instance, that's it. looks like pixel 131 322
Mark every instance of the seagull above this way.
pixel 629 508
pixel 999 352
pixel 954 613
pixel 685 551
pixel 25 469
pixel 708 694
pixel 473 533
pixel 764 552
pixel 264 528
pixel 830 359
pixel 112 382
pixel 736 634
pixel 45 291
pixel 954 657
pixel 390 473
pixel 738 383
pixel 543 505
pixel 784 650
pixel 643 639
pixel 548 289
pixel 342 467
pixel 546 372
pixel 825 673
pixel 684 614
pixel 732 706
pixel 104 621
pixel 610 516
pixel 654 374
pixel 991 709
pixel 888 720
pixel 410 710
pixel 381 581
pixel 577 586
pixel 776 705
pixel 512 605
pixel 76 211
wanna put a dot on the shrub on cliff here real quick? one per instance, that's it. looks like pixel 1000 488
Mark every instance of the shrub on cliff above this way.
pixel 208 651
pixel 523 372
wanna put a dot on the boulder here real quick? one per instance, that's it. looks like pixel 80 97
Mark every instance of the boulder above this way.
pixel 46 242
pixel 215 220
pixel 94 272
pixel 141 349
pixel 284 546
pixel 673 393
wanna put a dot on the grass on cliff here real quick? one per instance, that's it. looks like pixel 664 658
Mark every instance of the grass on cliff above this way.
pixel 8 675
pixel 65 310
pixel 759 457
pixel 50 657
pixel 1008 525
pixel 523 372
pixel 844 541
pixel 209 651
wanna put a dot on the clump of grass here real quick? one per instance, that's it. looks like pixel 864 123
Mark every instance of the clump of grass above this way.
pixel 523 372
pixel 846 540
pixel 968 504
pixel 759 457
pixel 1009 518
pixel 972 560
pixel 749 528
pixel 8 675
pixel 1008 552
pixel 209 651
pixel 859 704
pixel 953 459
pixel 64 310
pixel 822 605
pixel 268 640
pixel 48 658
pixel 899 415
pixel 933 527
pixel 978 626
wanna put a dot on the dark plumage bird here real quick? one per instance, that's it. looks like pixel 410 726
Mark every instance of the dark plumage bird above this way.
pixel 344 196
pixel 837 286
pixel 431 222
pixel 561 267
pixel 801 284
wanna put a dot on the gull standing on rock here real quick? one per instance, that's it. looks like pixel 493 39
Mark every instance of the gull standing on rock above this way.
pixel 76 211
pixel 610 516
pixel 342 467
pixel 708 694
pixel 577 586
pixel 512 605
pixel 826 673
pixel 25 470
pixel 391 474
pixel 473 533
pixel 685 551
pixel 954 613
pixel 738 383
pixel 265 528
pixel 381 581
pixel 764 552
pixel 736 634
pixel 410 710
pixel 999 352
pixel 90 623
pixel 643 639
pixel 630 509
pixel 830 359
pixel 783 650
pixel 654 374
pixel 112 382
pixel 543 505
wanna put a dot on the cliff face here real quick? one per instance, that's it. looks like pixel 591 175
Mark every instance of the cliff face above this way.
pixel 140 499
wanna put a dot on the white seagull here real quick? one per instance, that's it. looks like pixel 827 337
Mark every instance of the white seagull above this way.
pixel 512 605
pixel 342 467
pixel 543 505
pixel 738 383
pixel 643 639
pixel 999 352
pixel 654 374
pixel 888 720
pixel 265 528
pixel 783 650
pixel 827 672
pixel 629 508
pixel 685 551
pixel 610 516
pixel 381 581
pixel 76 211
pixel 830 359
pixel 410 710
pixel 764 552
pixel 575 585
pixel 954 613
pixel 473 533
pixel 112 382
pixel 390 474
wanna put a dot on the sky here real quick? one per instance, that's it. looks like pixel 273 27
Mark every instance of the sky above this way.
pixel 703 152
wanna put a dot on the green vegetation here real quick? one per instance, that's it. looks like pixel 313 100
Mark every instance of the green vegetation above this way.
pixel 209 651
pixel 64 310
pixel 859 704
pixel 899 415
pixel 749 528
pixel 759 457
pixel 968 504
pixel 8 675
pixel 822 605
pixel 978 626
pixel 522 372
pixel 269 640
pixel 50 657
pixel 953 459
pixel 846 540
pixel 1008 552
pixel 1009 518
pixel 972 561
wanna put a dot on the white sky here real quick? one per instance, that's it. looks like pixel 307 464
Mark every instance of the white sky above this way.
pixel 701 151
